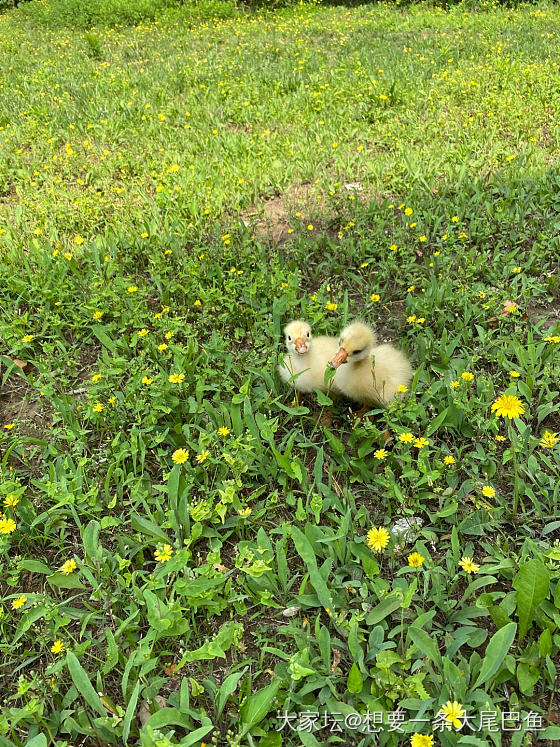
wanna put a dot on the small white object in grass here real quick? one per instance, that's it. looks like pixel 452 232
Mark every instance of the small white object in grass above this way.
pixel 290 611
pixel 406 527
pixel 353 187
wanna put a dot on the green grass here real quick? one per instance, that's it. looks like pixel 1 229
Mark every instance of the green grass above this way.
pixel 171 193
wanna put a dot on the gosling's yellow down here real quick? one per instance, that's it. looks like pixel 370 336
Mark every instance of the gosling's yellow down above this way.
pixel 366 372
pixel 308 357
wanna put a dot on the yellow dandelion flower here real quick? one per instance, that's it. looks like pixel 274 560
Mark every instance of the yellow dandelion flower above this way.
pixel 500 438
pixel 164 553
pixel 488 491
pixel 421 740
pixel 132 288
pixel 468 565
pixel 415 560
pixel 393 248
pixel 142 333
pixel 549 440
pixel 508 406
pixel 467 376
pixel 97 407
pixel 7 526
pixel 176 378
pixel 223 431
pixel 453 712
pixel 97 314
pixel 449 459
pixel 11 501
pixel 27 338
pixel 406 438
pixel 203 456
pixel 377 539
pixel 68 567
pixel 402 388
pixel 455 384
pixel 78 240
pixel 421 442
pixel 146 380
pixel 514 374
pixel 330 306
pixel 408 211
pixel 374 298
pixel 9 426
pixel 18 603
pixel 169 335
pixel 57 647
pixel 245 511
pixel 380 454
pixel 180 456
pixel 163 346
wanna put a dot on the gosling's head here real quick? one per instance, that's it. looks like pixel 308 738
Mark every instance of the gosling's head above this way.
pixel 356 342
pixel 298 337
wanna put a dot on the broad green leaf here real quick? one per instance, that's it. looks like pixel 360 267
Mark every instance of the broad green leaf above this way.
pixel 305 550
pixel 145 526
pixel 130 711
pixel 527 677
pixel 196 736
pixel 217 647
pixel 435 424
pixel 354 682
pixel 532 583
pixel 551 732
pixel 425 644
pixel 103 338
pixel 272 739
pixel 383 609
pixel 90 540
pixel 83 684
pixel 227 688
pixel 496 651
pixel 322 399
pixel 308 739
pixel 38 741
pixel 258 705
pixel 35 566
pixel 169 717
pixel 34 614
pixel 64 581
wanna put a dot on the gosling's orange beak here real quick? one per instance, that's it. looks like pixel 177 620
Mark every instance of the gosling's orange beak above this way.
pixel 339 358
pixel 300 345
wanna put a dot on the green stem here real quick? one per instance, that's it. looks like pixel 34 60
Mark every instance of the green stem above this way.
pixel 515 471
pixel 321 413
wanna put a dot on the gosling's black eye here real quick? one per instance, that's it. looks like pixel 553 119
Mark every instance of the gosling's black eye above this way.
pixel 289 338
pixel 357 352
pixel 308 334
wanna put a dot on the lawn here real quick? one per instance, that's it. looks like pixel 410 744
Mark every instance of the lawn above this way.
pixel 184 555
